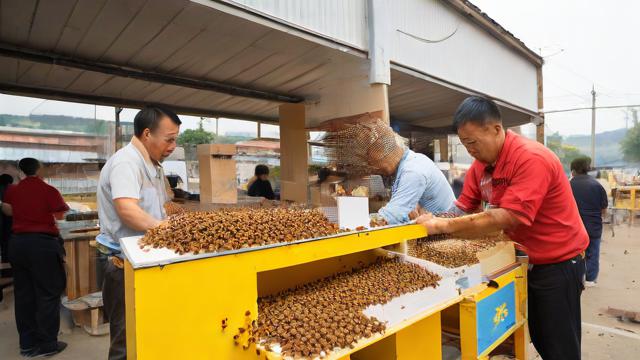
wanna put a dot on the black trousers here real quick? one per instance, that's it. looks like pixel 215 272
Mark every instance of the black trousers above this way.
pixel 114 310
pixel 554 308
pixel 39 280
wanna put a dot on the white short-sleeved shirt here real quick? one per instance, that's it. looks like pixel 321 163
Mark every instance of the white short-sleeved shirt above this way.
pixel 128 175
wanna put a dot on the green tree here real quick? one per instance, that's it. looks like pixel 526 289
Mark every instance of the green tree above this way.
pixel 630 144
pixel 193 137
pixel 565 152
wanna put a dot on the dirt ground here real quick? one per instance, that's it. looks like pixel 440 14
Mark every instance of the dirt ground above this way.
pixel 604 336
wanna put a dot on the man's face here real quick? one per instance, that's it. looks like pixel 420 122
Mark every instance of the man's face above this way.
pixel 483 142
pixel 162 141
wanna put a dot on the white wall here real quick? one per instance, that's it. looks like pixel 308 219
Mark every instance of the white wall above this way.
pixel 471 57
pixel 343 20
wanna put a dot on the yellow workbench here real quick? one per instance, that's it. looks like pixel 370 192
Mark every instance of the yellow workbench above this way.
pixel 627 198
pixel 175 310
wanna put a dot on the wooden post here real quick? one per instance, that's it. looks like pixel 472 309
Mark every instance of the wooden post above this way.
pixel 217 174
pixel 294 156
pixel 444 149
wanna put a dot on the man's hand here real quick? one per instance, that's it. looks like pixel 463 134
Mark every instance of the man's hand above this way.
pixel 417 212
pixel 434 225
pixel 161 224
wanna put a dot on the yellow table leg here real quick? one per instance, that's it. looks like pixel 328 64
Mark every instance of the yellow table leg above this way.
pixel 468 340
pixel 521 339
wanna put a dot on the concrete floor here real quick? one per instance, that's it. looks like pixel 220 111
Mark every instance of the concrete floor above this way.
pixel 604 337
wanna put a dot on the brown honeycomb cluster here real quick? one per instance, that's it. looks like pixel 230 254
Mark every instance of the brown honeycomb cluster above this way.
pixel 172 208
pixel 450 253
pixel 313 319
pixel 231 229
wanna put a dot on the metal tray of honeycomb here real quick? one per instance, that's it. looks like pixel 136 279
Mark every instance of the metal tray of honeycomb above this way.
pixel 340 313
pixel 142 257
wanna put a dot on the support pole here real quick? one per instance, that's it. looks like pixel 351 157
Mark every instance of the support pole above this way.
pixel 540 123
pixel 593 126
pixel 118 110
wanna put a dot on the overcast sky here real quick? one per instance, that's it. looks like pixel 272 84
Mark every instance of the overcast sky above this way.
pixel 584 43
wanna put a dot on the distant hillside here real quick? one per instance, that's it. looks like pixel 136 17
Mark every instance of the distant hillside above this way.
pixel 58 122
pixel 86 126
pixel 608 151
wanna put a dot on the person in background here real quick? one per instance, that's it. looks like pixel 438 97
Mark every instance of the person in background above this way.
pixel 519 186
pixel 131 197
pixel 592 202
pixel 458 184
pixel 37 260
pixel 417 180
pixel 259 185
pixel 6 181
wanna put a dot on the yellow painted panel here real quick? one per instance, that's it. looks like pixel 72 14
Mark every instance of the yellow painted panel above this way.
pixel 294 254
pixel 382 349
pixel 422 340
pixel 179 309
pixel 176 311
pixel 183 304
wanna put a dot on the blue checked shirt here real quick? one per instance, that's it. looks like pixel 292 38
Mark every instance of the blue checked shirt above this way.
pixel 417 181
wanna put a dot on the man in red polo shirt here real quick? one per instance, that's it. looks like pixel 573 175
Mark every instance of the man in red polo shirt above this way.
pixel 522 187
pixel 36 255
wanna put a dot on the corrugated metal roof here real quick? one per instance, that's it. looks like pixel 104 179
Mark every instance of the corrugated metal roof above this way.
pixel 417 102
pixel 186 39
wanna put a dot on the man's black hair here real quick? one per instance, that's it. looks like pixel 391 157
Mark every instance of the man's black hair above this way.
pixel 261 170
pixel 149 118
pixel 477 110
pixel 29 166
pixel 581 165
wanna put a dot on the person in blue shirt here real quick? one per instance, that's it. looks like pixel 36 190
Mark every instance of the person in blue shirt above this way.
pixel 416 179
pixel 592 201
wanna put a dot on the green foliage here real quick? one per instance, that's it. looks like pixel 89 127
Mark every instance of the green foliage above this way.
pixel 57 122
pixel 566 153
pixel 231 139
pixel 630 144
pixel 191 137
pixel 274 172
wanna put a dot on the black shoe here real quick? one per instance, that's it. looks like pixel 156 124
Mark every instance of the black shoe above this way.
pixel 28 351
pixel 47 353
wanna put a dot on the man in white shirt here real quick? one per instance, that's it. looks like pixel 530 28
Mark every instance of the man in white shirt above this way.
pixel 131 198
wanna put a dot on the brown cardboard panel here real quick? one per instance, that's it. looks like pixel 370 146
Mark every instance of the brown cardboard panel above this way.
pixel 216 149
pixel 497 257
